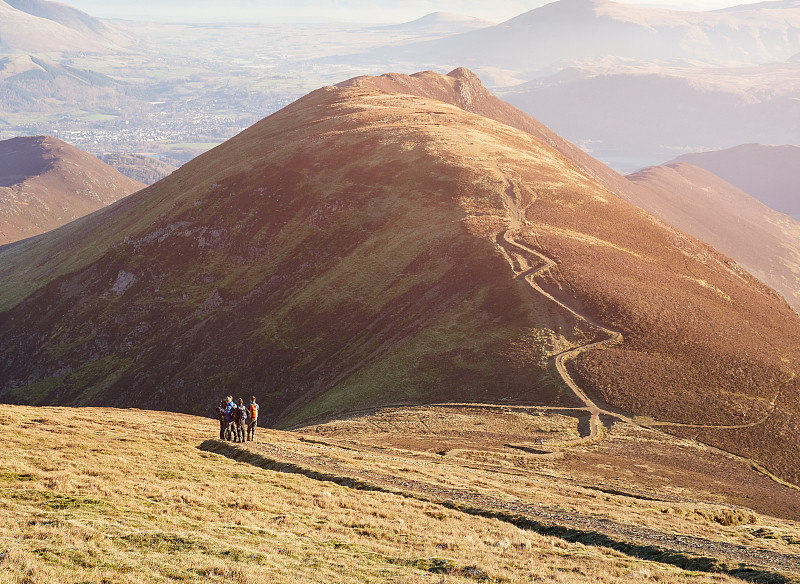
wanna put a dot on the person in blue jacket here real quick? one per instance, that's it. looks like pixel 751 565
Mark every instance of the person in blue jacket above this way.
pixel 230 418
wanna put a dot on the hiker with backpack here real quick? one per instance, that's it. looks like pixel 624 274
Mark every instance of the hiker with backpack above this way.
pixel 252 418
pixel 230 419
pixel 240 420
pixel 221 417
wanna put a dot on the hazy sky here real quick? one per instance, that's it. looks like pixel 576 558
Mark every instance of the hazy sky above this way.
pixel 348 10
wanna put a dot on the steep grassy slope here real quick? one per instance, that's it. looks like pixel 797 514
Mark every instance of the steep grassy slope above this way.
pixel 45 183
pixel 764 241
pixel 339 231
pixel 346 252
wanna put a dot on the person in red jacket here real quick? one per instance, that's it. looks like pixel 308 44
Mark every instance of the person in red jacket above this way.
pixel 252 418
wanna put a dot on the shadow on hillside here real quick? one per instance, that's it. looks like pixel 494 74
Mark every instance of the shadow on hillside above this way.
pixel 570 533
pixel 584 426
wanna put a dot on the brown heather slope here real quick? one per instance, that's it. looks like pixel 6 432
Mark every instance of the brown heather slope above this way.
pixel 462 88
pixel 769 173
pixel 763 241
pixel 346 252
pixel 45 183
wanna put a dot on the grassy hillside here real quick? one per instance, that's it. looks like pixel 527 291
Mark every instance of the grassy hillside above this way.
pixel 100 495
pixel 287 260
pixel 763 241
pixel 364 247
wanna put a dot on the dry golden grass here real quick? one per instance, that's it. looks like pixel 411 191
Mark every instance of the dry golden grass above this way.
pixel 632 475
pixel 99 495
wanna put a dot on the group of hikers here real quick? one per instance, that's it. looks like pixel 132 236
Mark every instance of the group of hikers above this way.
pixel 237 423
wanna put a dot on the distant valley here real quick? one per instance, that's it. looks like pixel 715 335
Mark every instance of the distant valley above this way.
pixel 701 81
pixel 175 90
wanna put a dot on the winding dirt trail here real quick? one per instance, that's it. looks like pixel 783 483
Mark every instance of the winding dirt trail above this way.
pixel 519 257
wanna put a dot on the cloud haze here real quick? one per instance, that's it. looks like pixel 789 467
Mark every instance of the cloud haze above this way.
pixel 344 10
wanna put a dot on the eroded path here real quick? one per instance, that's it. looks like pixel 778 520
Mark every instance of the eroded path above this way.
pixel 520 256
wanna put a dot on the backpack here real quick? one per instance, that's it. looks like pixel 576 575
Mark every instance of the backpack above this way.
pixel 240 414
pixel 252 411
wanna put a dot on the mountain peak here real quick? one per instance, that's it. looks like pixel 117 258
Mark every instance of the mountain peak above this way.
pixel 45 182
pixel 439 23
pixel 60 13
pixel 466 75
pixel 41 26
pixel 444 17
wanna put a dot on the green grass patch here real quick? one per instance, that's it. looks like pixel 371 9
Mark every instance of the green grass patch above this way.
pixel 49 500
pixel 63 502
pixel 82 384
pixel 166 542
pixel 441 566
pixel 12 477
pixel 36 393
pixel 100 117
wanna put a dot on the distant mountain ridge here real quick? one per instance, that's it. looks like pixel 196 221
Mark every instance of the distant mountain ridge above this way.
pixel 770 173
pixel 36 26
pixel 632 84
pixel 635 116
pixel 759 238
pixel 439 22
pixel 583 30
pixel 768 5
pixel 60 13
pixel 45 183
